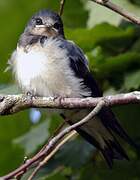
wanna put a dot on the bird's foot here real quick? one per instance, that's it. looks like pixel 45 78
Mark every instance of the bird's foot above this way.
pixel 30 95
pixel 59 97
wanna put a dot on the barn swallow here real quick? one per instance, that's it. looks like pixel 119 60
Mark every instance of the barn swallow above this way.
pixel 45 63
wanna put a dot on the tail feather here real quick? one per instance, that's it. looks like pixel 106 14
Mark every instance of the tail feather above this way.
pixel 110 122
pixel 118 151
pixel 111 150
pixel 108 157
pixel 101 132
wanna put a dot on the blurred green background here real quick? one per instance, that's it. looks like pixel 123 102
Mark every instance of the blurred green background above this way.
pixel 113 48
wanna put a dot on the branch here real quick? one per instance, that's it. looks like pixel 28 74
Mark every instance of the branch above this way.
pixel 48 157
pixel 53 142
pixel 10 104
pixel 62 3
pixel 119 10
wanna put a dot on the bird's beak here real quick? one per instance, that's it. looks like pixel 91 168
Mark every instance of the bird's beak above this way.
pixel 46 26
pixel 41 26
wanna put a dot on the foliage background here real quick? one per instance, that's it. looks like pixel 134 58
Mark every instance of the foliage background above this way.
pixel 113 48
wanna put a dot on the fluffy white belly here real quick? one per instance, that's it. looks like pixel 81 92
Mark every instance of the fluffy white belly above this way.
pixel 46 72
pixel 29 66
pixel 36 74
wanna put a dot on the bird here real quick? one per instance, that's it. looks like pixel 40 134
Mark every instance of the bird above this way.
pixel 45 63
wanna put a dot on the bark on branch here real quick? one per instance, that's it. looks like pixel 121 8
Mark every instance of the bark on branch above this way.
pixel 14 103
pixel 119 10
pixel 10 104
pixel 62 3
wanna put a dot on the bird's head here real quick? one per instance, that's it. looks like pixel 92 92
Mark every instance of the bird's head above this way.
pixel 45 23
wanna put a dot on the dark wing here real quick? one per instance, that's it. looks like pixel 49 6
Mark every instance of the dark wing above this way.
pixel 113 150
pixel 79 65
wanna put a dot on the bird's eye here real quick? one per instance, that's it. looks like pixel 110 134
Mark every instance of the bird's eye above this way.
pixel 38 21
pixel 56 25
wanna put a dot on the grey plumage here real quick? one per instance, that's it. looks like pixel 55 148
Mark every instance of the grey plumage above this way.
pixel 46 64
pixel 48 17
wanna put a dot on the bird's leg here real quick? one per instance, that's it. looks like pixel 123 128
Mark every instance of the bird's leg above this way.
pixel 30 95
pixel 59 98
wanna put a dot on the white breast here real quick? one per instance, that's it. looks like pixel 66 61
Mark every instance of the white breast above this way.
pixel 29 65
pixel 45 71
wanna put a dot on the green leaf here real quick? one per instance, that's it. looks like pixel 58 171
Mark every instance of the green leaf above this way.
pixel 10 128
pixel 136 46
pixel 110 37
pixel 136 2
pixel 55 122
pixel 116 64
pixel 55 176
pixel 129 115
pixel 9 153
pixel 74 154
pixel 34 138
pixel 132 80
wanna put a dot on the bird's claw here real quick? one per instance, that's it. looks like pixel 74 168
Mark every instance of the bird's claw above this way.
pixel 1 98
pixel 30 95
pixel 59 98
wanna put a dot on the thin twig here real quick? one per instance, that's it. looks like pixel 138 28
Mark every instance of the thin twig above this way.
pixel 55 140
pixel 62 3
pixel 46 159
pixel 106 3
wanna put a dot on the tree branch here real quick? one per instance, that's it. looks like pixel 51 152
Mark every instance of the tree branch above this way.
pixel 119 10
pixel 62 3
pixel 48 157
pixel 14 103
pixel 53 142
pixel 10 104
